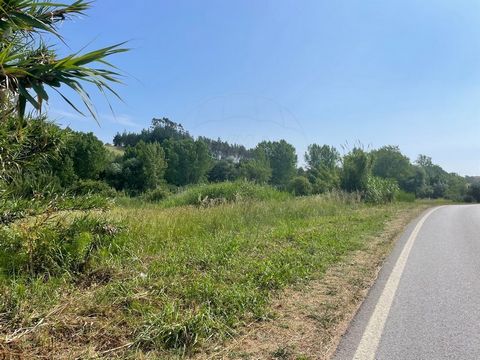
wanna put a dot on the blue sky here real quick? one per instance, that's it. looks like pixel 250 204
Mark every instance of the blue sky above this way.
pixel 398 72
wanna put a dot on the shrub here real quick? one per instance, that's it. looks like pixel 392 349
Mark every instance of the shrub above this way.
pixel 13 209
pixel 158 194
pixel 380 191
pixel 211 194
pixel 258 171
pixel 223 170
pixel 355 171
pixel 28 185
pixel 473 192
pixel 86 187
pixel 300 186
pixel 323 179
pixel 48 246
pixel 404 196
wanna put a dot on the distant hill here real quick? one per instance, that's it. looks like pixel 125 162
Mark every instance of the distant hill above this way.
pixel 116 150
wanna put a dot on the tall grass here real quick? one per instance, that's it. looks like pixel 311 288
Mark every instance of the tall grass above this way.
pixel 225 192
pixel 182 276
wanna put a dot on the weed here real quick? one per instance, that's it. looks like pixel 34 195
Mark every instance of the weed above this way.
pixel 283 353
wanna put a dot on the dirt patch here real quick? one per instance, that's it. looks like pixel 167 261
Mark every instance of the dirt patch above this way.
pixel 310 320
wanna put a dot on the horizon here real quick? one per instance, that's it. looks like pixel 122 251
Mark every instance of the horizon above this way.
pixel 401 73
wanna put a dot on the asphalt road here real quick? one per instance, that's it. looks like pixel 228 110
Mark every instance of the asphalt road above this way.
pixel 426 301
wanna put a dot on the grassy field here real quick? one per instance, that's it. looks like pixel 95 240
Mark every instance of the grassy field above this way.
pixel 180 279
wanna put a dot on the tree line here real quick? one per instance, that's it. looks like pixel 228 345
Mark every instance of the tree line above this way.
pixel 37 156
pixel 165 156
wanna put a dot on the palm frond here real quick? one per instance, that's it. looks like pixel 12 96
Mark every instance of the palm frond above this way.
pixel 28 67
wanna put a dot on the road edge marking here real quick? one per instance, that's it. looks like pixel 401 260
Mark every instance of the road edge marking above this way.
pixel 372 334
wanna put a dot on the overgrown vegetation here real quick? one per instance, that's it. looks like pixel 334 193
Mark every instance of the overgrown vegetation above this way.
pixel 51 244
pixel 49 190
pixel 206 231
pixel 226 192
pixel 179 278
pixel 83 163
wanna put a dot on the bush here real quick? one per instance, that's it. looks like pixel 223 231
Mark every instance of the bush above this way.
pixel 404 196
pixel 324 180
pixel 27 185
pixel 50 247
pixel 158 194
pixel 473 192
pixel 356 170
pixel 380 191
pixel 86 187
pixel 468 199
pixel 300 186
pixel 13 209
pixel 212 194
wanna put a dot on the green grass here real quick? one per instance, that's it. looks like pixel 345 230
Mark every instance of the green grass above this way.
pixel 205 195
pixel 225 192
pixel 404 197
pixel 181 277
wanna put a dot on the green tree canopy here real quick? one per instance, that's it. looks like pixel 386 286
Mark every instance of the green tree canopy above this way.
pixel 223 170
pixel 300 186
pixel 356 170
pixel 390 163
pixel 256 170
pixel 88 154
pixel 188 161
pixel 282 160
pixel 143 166
pixel 322 156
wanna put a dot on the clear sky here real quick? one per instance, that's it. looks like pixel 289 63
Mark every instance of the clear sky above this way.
pixel 399 72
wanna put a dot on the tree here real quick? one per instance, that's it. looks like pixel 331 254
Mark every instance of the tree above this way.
pixel 439 183
pixel 356 170
pixel 323 179
pixel 390 163
pixel 282 160
pixel 457 187
pixel 88 155
pixel 83 156
pixel 436 179
pixel 416 183
pixel 188 161
pixel 322 162
pixel 26 150
pixel 223 170
pixel 143 167
pixel 256 170
pixel 424 161
pixel 322 156
pixel 222 150
pixel 26 146
pixel 161 130
pixel 300 186
pixel 29 66
pixel 474 191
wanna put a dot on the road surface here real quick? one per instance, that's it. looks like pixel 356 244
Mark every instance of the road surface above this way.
pixel 426 301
